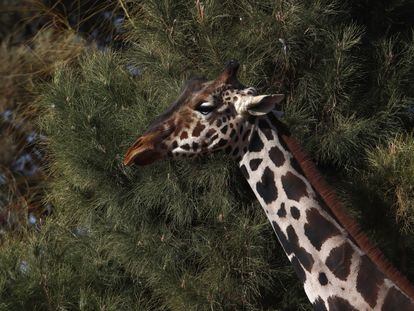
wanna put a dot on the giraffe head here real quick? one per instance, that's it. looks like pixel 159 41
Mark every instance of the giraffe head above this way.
pixel 207 117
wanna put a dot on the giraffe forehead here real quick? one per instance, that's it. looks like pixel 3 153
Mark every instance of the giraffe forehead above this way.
pixel 180 113
pixel 208 92
pixel 211 90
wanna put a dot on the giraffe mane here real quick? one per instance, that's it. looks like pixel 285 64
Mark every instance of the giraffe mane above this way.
pixel 335 208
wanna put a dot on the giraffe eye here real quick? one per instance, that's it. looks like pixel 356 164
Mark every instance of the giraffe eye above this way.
pixel 205 107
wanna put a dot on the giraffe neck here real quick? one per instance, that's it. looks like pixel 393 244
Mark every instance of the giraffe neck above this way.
pixel 335 272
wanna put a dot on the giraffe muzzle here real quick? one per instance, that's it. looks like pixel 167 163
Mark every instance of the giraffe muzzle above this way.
pixel 150 146
pixel 229 75
pixel 232 67
pixel 142 152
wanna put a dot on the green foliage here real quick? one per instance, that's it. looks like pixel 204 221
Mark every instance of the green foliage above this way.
pixel 392 171
pixel 22 68
pixel 36 37
pixel 189 235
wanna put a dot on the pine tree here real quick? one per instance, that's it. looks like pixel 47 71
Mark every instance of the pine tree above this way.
pixel 21 177
pixel 189 235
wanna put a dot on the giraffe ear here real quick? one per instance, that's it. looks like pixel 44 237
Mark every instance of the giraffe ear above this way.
pixel 263 104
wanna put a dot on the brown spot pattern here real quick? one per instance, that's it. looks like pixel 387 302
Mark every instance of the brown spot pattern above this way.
pixel 246 135
pixel 282 211
pixel 294 187
pixel 369 281
pixel 298 269
pixel 266 129
pixel 303 256
pixel 276 156
pixel 339 261
pixel 266 187
pixel 221 143
pixel 224 129
pixel 281 141
pixel 184 135
pixel 319 305
pixel 210 133
pixel 254 163
pixel 323 280
pixel 319 229
pixel 185 147
pixel 214 137
pixel 244 171
pixel 336 303
pixel 395 300
pixel 295 164
pixel 198 129
pixel 294 211
pixel 282 238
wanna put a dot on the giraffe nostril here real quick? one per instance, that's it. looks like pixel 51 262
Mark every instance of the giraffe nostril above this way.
pixel 232 63
pixel 232 67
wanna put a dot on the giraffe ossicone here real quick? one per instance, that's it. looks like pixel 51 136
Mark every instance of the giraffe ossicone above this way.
pixel 338 266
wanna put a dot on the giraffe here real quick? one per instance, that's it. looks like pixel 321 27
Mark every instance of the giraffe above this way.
pixel 338 266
